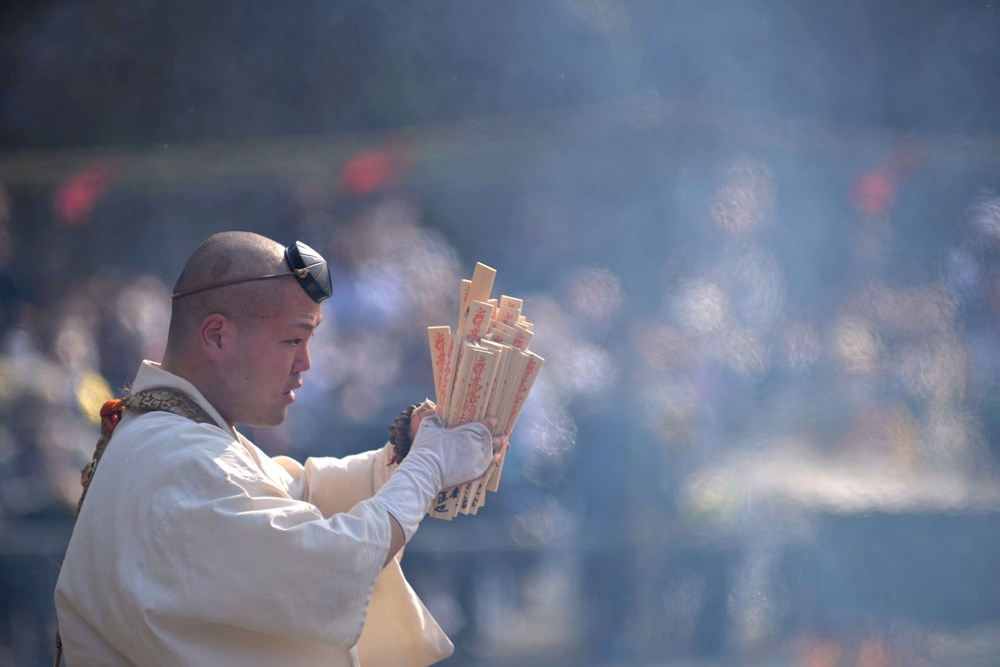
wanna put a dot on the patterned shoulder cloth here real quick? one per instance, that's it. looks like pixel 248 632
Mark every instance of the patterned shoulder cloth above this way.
pixel 157 399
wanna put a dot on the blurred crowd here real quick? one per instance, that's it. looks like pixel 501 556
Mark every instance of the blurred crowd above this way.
pixel 724 363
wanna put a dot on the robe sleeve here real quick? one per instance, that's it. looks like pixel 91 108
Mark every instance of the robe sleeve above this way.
pixel 244 553
pixel 399 631
pixel 338 484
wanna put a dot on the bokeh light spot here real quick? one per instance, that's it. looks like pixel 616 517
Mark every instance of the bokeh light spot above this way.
pixel 91 391
pixel 701 306
pixel 986 214
pixel 745 201
pixel 595 293
pixel 661 347
pixel 856 345
pixel 803 345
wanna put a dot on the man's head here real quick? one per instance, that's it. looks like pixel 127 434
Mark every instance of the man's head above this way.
pixel 240 324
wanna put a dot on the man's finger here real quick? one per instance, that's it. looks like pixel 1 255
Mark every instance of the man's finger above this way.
pixel 417 417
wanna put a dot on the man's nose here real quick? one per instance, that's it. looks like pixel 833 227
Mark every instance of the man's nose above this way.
pixel 303 360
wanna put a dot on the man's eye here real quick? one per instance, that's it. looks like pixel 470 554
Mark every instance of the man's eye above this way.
pixel 295 342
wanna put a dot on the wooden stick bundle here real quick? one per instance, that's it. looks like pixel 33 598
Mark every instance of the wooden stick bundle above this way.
pixel 482 369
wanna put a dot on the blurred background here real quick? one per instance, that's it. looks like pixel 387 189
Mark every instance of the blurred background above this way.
pixel 759 242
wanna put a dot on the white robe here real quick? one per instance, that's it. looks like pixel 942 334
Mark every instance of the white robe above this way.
pixel 196 548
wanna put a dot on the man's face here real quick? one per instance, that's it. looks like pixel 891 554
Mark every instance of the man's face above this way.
pixel 269 359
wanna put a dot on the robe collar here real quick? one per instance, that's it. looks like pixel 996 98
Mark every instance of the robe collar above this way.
pixel 152 375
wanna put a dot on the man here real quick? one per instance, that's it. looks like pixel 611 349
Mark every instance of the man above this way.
pixel 193 547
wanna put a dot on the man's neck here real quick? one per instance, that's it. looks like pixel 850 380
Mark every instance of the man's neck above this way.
pixel 203 385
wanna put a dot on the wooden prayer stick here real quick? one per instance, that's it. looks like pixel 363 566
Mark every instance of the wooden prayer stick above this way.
pixel 474 327
pixel 479 290
pixel 509 310
pixel 515 371
pixel 473 386
pixel 463 301
pixel 515 336
pixel 531 370
pixel 511 302
pixel 456 396
pixel 476 397
pixel 439 339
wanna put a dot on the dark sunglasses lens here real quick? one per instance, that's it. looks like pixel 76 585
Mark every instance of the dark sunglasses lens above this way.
pixel 315 280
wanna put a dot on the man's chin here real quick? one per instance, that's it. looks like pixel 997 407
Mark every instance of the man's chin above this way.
pixel 268 420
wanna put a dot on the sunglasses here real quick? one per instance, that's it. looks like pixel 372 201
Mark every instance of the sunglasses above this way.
pixel 307 265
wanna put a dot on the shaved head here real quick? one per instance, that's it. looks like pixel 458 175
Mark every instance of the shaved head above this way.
pixel 228 257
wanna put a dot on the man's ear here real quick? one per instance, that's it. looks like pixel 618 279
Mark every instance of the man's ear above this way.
pixel 216 335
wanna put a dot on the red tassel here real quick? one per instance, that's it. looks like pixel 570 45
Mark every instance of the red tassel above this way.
pixel 111 414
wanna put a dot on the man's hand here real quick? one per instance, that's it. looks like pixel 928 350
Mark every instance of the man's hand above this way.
pixel 439 458
pixel 417 417
pixel 500 442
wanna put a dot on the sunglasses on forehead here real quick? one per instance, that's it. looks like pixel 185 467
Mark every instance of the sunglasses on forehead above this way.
pixel 307 265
